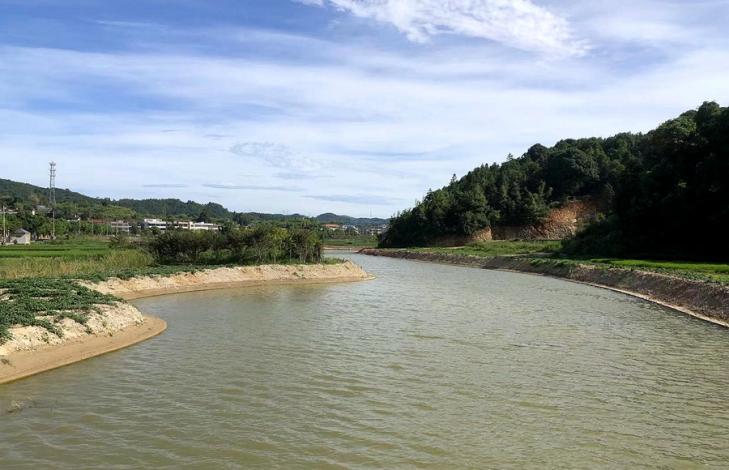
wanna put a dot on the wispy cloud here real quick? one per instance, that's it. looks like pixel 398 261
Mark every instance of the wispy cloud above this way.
pixel 129 24
pixel 165 185
pixel 251 187
pixel 363 200
pixel 276 155
pixel 516 23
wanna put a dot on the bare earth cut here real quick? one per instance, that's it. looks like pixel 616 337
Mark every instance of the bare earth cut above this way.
pixel 33 349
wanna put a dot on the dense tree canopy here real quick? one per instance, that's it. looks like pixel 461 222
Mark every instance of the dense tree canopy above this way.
pixel 663 193
pixel 264 243
pixel 674 199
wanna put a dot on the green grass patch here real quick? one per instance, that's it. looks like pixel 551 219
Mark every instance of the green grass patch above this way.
pixel 72 249
pixel 362 241
pixel 68 266
pixel 716 272
pixel 42 302
pixel 498 248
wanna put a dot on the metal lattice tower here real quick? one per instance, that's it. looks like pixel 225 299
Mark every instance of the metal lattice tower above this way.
pixel 52 198
pixel 52 186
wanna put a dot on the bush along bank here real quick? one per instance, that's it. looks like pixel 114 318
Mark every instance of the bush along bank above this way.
pixel 705 300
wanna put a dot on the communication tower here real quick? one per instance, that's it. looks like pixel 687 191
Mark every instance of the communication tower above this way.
pixel 52 199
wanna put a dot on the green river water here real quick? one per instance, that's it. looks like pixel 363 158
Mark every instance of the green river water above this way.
pixel 427 366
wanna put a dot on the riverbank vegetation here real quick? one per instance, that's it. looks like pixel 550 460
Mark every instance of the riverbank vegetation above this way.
pixel 356 241
pixel 38 282
pixel 43 302
pixel 549 252
pixel 173 251
pixel 660 195
pixel 262 244
pixel 499 248
pixel 80 258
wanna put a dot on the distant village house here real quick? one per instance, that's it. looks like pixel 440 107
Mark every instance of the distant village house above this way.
pixel 119 226
pixel 19 237
pixel 163 225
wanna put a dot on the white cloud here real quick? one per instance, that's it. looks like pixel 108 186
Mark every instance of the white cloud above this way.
pixel 276 155
pixel 515 23
pixel 250 187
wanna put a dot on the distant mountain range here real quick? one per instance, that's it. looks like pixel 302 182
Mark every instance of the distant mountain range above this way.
pixel 19 194
pixel 330 218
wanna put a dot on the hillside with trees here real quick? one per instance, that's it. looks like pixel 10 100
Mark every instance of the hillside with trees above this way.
pixel 663 193
pixel 74 211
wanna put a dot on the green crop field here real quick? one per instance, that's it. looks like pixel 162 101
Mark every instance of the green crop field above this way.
pixel 71 249
pixel 64 258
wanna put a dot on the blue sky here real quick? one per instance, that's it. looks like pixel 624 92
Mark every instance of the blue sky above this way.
pixel 349 106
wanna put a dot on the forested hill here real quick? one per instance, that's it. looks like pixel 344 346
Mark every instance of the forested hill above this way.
pixel 34 195
pixel 330 218
pixel 21 195
pixel 71 204
pixel 662 193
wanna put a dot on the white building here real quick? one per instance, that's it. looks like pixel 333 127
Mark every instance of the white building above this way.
pixel 119 226
pixel 377 230
pixel 159 224
pixel 204 226
pixel 179 225
pixel 19 237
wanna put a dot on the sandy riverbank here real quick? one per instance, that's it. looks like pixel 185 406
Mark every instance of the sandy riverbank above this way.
pixel 699 299
pixel 224 278
pixel 33 349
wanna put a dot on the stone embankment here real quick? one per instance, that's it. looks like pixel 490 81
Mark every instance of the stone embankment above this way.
pixel 705 300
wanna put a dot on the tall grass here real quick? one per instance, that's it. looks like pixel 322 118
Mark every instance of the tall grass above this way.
pixel 72 266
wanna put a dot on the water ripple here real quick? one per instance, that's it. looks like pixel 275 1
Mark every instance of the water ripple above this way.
pixel 426 367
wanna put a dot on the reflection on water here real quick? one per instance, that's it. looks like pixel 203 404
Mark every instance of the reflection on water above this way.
pixel 427 366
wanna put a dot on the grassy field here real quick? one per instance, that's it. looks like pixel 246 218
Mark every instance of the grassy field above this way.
pixel 499 248
pixel 72 258
pixel 67 249
pixel 717 272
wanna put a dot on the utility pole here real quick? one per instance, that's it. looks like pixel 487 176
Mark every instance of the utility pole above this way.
pixel 5 236
pixel 52 199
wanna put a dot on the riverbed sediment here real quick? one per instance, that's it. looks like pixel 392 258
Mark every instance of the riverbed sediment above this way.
pixel 700 299
pixel 33 349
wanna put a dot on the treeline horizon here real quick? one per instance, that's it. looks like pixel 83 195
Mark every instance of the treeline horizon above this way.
pixel 262 244
pixel 662 193
pixel 70 204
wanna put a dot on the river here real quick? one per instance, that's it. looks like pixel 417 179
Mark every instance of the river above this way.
pixel 428 366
